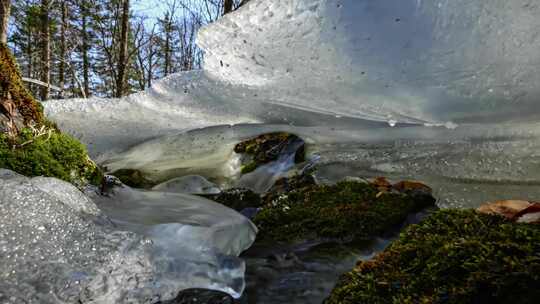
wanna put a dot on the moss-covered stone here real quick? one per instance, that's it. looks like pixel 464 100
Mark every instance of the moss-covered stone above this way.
pixel 269 147
pixel 453 256
pixel 348 211
pixel 133 178
pixel 51 154
pixel 237 198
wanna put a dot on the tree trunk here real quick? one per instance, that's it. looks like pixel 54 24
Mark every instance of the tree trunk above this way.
pixel 45 49
pixel 168 30
pixel 5 12
pixel 227 6
pixel 243 3
pixel 123 55
pixel 62 65
pixel 85 48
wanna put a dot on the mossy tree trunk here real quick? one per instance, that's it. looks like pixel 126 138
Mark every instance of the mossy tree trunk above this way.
pixel 18 108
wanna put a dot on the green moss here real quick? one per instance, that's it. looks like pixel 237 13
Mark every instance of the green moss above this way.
pixel 11 82
pixel 53 155
pixel 269 147
pixel 46 152
pixel 133 178
pixel 250 167
pixel 347 211
pixel 453 256
pixel 237 198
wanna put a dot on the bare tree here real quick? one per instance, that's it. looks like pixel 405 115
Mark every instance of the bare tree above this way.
pixel 62 64
pixel 5 12
pixel 45 50
pixel 123 51
pixel 227 6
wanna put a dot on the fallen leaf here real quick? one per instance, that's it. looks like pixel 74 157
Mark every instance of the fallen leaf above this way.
pixel 509 208
pixel 412 186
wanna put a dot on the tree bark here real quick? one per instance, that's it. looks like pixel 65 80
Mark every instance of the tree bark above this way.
pixel 228 6
pixel 62 65
pixel 5 12
pixel 85 48
pixel 45 49
pixel 168 30
pixel 123 55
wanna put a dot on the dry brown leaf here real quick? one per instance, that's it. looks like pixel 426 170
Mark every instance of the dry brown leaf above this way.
pixel 411 186
pixel 509 208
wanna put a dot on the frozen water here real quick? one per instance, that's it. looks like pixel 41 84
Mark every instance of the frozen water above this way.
pixel 52 254
pixel 316 62
pixel 57 247
pixel 456 79
pixel 190 184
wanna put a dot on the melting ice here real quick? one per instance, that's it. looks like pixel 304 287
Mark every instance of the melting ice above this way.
pixel 457 79
pixel 56 246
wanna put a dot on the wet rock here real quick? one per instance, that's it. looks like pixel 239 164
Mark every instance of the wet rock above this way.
pixel 201 296
pixel 133 178
pixel 270 147
pixel 237 198
pixel 453 256
pixel 296 182
pixel 346 211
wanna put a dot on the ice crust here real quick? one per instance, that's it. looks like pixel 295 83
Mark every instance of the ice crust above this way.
pixel 56 246
pixel 313 62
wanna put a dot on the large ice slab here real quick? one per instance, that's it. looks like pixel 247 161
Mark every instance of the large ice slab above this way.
pixel 56 246
pixel 317 62
pixel 408 60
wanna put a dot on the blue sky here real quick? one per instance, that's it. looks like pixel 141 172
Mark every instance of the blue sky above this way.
pixel 153 8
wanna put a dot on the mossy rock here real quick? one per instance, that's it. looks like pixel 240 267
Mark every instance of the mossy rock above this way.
pixel 269 147
pixel 133 178
pixel 348 211
pixel 237 198
pixel 52 154
pixel 453 256
pixel 284 185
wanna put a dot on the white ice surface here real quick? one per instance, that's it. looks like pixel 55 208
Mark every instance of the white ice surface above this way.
pixel 416 61
pixel 56 246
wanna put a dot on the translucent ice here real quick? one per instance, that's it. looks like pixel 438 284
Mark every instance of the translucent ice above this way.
pixel 56 246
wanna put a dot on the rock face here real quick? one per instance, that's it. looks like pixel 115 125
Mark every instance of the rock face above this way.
pixel 453 256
